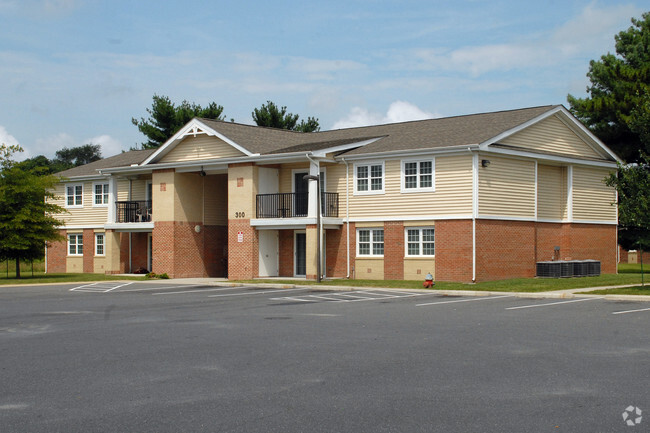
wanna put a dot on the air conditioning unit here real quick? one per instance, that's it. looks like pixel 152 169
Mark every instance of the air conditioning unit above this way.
pixel 549 269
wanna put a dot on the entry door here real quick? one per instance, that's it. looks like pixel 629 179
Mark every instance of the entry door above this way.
pixel 300 253
pixel 301 188
pixel 269 253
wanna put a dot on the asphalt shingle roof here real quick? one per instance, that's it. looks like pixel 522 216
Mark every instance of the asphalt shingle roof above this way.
pixel 124 159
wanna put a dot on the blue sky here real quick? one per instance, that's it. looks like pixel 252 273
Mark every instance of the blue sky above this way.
pixel 74 72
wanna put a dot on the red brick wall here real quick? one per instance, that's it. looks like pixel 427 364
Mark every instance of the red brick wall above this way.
pixel 89 251
pixel 57 253
pixel 594 241
pixel 394 250
pixel 243 257
pixel 504 249
pixel 181 252
pixel 336 257
pixel 453 250
pixel 138 251
pixel 286 253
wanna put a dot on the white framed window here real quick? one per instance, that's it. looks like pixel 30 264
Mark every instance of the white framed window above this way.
pixel 418 175
pixel 420 241
pixel 99 244
pixel 75 245
pixel 370 242
pixel 369 178
pixel 74 194
pixel 100 194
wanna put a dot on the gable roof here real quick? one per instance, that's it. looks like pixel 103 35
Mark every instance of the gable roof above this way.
pixel 123 159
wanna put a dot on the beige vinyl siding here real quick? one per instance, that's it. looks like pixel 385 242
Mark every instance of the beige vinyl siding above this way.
pixel 80 216
pixel 201 147
pixel 452 195
pixel 592 199
pixel 286 175
pixel 552 135
pixel 216 200
pixel 507 188
pixel 551 192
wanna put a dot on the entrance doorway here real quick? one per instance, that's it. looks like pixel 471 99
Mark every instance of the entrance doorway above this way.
pixel 300 254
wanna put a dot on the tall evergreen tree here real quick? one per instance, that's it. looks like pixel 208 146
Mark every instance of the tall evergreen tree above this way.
pixel 272 116
pixel 619 84
pixel 165 119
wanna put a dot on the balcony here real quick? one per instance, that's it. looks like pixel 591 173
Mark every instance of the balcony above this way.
pixel 138 211
pixel 294 205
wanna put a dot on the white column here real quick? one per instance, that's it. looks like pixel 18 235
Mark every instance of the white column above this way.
pixel 314 170
pixel 112 198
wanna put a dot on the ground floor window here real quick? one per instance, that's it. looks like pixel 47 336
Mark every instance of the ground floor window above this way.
pixel 370 242
pixel 420 241
pixel 75 245
pixel 99 244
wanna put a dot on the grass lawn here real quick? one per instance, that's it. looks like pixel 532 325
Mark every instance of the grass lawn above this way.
pixel 637 290
pixel 514 285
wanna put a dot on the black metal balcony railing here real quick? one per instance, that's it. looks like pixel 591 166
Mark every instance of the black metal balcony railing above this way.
pixel 294 205
pixel 138 211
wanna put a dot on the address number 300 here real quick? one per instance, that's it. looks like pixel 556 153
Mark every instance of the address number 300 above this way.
pixel 240 214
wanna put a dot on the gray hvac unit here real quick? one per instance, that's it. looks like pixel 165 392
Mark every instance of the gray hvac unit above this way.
pixel 549 269
pixel 593 268
pixel 566 269
pixel 580 268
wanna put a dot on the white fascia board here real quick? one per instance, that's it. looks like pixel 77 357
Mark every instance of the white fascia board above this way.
pixel 186 130
pixel 323 152
pixel 129 227
pixel 412 153
pixel 544 157
pixel 86 178
pixel 411 218
pixel 293 223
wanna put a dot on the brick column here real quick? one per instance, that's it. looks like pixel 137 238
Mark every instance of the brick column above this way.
pixel 89 251
pixel 394 250
pixel 454 250
pixel 57 253
pixel 243 257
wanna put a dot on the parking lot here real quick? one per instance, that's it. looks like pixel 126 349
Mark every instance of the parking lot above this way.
pixel 158 357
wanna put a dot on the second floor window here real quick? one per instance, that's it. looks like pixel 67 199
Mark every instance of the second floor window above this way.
pixel 100 194
pixel 74 195
pixel 418 175
pixel 369 178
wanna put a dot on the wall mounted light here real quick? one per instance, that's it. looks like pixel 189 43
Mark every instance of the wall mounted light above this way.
pixel 485 163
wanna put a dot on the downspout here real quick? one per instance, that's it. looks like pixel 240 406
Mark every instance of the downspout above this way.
pixel 475 164
pixel 347 214
pixel 130 233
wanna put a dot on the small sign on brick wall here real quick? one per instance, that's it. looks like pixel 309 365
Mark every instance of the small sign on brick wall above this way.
pixel 240 236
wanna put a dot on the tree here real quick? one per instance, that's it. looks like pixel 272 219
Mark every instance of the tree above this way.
pixel 632 182
pixel 27 220
pixel 65 158
pixel 273 117
pixel 165 119
pixel 76 156
pixel 619 84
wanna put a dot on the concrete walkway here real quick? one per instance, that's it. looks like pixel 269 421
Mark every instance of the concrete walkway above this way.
pixel 557 294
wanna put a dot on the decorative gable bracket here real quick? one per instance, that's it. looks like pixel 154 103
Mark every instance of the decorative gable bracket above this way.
pixel 194 131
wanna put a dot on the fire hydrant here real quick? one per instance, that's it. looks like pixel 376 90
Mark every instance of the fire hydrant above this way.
pixel 428 281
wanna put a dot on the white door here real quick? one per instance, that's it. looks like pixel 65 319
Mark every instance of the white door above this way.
pixel 269 244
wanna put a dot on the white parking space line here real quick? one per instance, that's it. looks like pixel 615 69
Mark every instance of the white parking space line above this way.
pixel 148 289
pixel 263 292
pixel 99 287
pixel 553 303
pixel 631 311
pixel 354 296
pixel 485 298
pixel 181 292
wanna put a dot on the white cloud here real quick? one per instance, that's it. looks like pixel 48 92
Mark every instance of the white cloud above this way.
pixel 109 145
pixel 10 140
pixel 398 111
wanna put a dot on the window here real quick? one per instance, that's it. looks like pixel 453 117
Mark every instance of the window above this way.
pixel 420 241
pixel 369 178
pixel 75 245
pixel 100 194
pixel 370 242
pixel 74 195
pixel 99 244
pixel 418 175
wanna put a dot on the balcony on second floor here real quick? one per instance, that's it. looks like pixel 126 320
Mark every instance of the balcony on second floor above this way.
pixel 134 211
pixel 294 205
